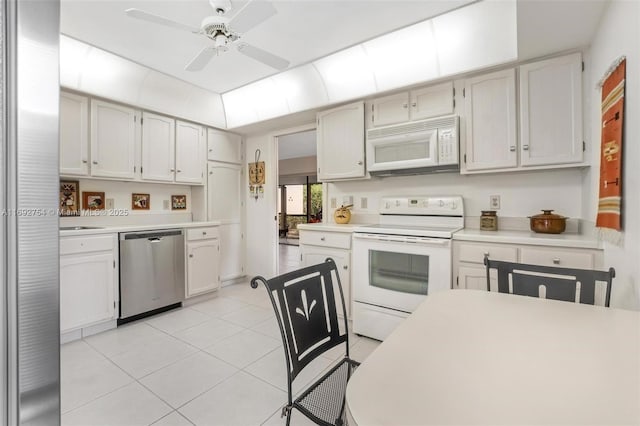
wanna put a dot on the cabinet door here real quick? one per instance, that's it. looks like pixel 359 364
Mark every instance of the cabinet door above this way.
pixel 551 111
pixel 189 153
pixel 431 101
pixel 74 134
pixel 158 145
pixel 475 278
pixel 312 255
pixel 224 146
pixel 490 108
pixel 224 199
pixel 202 266
pixel 390 109
pixel 113 140
pixel 341 143
pixel 86 290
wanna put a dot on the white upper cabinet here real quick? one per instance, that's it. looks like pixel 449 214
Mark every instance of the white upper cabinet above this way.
pixel 224 146
pixel 340 143
pixel 189 152
pixel 416 104
pixel 551 111
pixel 490 114
pixel 113 140
pixel 74 134
pixel 158 147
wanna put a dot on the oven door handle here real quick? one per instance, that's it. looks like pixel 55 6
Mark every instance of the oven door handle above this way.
pixel 404 239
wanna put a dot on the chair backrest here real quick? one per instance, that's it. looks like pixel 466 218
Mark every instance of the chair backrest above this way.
pixel 305 305
pixel 566 284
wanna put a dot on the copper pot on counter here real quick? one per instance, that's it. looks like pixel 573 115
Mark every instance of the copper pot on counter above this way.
pixel 548 223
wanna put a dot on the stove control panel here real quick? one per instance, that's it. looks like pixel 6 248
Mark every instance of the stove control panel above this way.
pixel 450 205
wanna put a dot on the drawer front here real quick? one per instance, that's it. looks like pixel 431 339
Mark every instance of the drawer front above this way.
pixel 475 253
pixel 326 239
pixel 71 245
pixel 562 258
pixel 194 234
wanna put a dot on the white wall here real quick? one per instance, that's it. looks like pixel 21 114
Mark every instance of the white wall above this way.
pixel 618 35
pixel 121 192
pixel 521 194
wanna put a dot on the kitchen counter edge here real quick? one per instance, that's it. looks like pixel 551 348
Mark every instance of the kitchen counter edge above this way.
pixel 133 228
pixel 329 227
pixel 529 238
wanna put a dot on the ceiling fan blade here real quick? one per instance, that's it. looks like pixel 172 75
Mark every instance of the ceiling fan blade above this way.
pixel 201 59
pixel 251 15
pixel 156 19
pixel 263 56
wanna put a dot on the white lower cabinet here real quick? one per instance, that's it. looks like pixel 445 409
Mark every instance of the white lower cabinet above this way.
pixel 203 260
pixel 470 273
pixel 340 252
pixel 88 281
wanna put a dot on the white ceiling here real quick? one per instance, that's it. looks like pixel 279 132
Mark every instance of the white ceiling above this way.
pixel 297 145
pixel 301 31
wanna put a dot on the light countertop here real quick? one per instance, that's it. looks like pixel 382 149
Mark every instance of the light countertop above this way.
pixel 131 228
pixel 330 227
pixel 529 237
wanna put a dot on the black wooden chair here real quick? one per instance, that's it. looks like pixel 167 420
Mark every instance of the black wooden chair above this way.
pixel 566 284
pixel 305 305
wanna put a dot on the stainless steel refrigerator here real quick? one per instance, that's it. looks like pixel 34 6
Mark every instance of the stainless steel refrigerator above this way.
pixel 29 297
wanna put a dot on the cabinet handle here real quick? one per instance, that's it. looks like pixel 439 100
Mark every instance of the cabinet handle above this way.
pixel 345 267
pixel 210 150
pixel 525 147
pixel 191 255
pixel 172 170
pixel 405 106
pixel 179 171
pixel 360 163
pixel 94 162
pixel 556 261
pixel 512 148
pixel 321 238
pixel 414 104
pixel 204 233
pixel 84 161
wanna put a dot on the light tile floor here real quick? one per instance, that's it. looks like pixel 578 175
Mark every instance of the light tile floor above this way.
pixel 217 362
pixel 289 258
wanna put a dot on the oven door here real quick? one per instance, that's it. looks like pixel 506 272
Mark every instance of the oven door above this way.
pixel 397 272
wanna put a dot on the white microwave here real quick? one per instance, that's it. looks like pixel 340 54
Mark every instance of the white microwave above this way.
pixel 415 147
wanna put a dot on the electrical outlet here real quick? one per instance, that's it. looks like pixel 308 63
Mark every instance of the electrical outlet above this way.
pixel 363 202
pixel 494 202
pixel 108 203
pixel 165 204
pixel 333 203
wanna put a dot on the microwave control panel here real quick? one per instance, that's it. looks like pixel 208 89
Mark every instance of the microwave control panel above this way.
pixel 447 146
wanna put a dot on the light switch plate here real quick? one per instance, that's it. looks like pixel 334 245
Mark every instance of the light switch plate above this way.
pixel 333 203
pixel 363 202
pixel 165 204
pixel 108 203
pixel 347 199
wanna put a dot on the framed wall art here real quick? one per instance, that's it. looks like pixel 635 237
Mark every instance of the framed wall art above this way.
pixel 93 200
pixel 178 202
pixel 69 198
pixel 140 201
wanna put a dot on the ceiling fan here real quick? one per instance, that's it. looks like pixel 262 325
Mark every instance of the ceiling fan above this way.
pixel 223 31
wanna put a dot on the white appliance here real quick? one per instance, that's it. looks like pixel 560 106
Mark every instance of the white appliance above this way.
pixel 399 262
pixel 416 147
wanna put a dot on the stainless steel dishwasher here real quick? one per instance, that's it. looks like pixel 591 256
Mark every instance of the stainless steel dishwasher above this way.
pixel 151 272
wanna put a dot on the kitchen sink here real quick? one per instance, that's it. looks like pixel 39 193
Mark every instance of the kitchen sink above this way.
pixel 78 228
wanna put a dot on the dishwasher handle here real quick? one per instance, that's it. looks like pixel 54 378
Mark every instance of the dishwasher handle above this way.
pixel 152 236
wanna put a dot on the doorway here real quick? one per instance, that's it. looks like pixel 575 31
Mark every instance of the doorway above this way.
pixel 299 198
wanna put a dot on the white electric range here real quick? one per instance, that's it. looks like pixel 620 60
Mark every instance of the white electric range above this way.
pixel 400 261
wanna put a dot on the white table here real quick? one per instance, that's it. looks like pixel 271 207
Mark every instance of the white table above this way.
pixel 470 357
